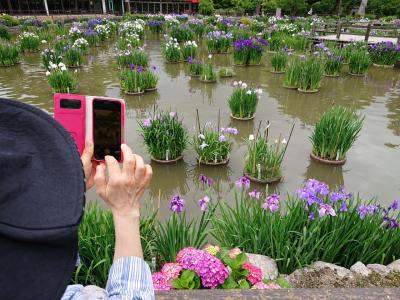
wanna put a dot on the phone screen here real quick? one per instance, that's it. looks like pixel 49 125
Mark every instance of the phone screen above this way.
pixel 106 129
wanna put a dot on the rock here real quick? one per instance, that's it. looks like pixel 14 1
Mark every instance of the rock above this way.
pixel 360 269
pixel 266 264
pixel 380 269
pixel 394 266
pixel 340 271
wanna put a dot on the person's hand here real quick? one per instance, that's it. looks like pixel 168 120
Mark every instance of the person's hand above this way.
pixel 124 187
pixel 89 166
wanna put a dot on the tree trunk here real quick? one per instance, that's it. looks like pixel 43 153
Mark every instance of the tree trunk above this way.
pixel 9 5
pixel 363 6
pixel 278 13
pixel 338 7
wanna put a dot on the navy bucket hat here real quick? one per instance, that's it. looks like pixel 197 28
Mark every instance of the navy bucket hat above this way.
pixel 42 196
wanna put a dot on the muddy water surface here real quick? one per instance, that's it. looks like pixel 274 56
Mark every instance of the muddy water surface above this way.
pixel 373 163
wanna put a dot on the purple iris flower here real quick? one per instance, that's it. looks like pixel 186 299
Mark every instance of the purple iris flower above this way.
pixel 177 204
pixel 243 182
pixel 271 203
pixel 203 203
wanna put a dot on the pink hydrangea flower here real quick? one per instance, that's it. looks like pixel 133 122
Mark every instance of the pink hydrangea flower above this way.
pixel 160 283
pixel 171 271
pixel 210 269
pixel 234 252
pixel 255 273
pixel 264 286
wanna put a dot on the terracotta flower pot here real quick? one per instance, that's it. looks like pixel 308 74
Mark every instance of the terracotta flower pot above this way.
pixel 171 161
pixel 263 181
pixel 327 161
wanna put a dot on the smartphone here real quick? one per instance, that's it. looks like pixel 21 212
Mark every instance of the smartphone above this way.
pixel 70 111
pixel 107 127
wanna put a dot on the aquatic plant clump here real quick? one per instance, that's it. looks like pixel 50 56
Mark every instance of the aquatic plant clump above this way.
pixel 182 33
pixel 155 26
pixel 384 53
pixel 132 80
pixel 248 51
pixel 73 56
pixel 208 73
pixel 213 145
pixel 311 74
pixel 264 159
pixel 131 56
pixel 60 79
pixel 172 50
pixel 243 101
pixel 335 133
pixel 279 61
pixel 293 72
pixel 195 67
pixel 29 41
pixel 129 41
pixel 346 227
pixel 150 79
pixel 9 53
pixel 164 135
pixel 226 72
pixel 219 41
pixel 189 50
pixel 359 62
pixel 49 55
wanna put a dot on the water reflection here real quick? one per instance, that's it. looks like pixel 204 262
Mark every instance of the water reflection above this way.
pixel 332 175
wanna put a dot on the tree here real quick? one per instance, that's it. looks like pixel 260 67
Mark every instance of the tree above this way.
pixel 206 7
pixel 292 7
pixel 363 6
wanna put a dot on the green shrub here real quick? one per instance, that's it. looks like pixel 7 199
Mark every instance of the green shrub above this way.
pixel 9 21
pixel 335 133
pixel 206 7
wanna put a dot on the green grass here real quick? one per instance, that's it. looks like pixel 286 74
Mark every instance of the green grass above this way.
pixel 336 132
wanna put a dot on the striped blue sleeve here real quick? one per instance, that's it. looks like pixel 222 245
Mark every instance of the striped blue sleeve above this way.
pixel 130 279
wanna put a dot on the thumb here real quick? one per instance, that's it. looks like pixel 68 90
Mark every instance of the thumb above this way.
pixel 87 152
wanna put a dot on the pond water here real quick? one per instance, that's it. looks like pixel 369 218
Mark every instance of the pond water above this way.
pixel 372 166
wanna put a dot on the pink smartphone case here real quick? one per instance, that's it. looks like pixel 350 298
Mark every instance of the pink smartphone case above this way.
pixel 75 120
